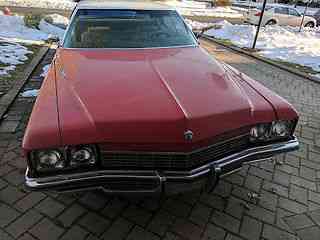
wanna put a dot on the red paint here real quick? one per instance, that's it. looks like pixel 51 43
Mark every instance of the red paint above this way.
pixel 146 97
pixel 43 127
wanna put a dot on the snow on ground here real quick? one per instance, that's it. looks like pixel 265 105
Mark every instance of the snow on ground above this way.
pixel 198 25
pixel 54 4
pixel 193 8
pixel 12 32
pixel 51 29
pixel 275 42
pixel 30 93
pixel 11 54
pixel 57 20
pixel 45 70
pixel 12 28
pixel 185 7
pixel 187 4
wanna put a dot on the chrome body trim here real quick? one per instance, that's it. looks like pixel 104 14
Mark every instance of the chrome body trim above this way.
pixel 227 165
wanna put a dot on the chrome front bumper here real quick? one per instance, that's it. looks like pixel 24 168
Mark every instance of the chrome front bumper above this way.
pixel 115 181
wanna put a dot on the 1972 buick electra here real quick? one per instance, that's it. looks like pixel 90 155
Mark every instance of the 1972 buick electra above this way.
pixel 133 104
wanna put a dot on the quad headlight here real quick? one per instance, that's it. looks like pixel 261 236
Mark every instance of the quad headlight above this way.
pixel 281 128
pixel 51 159
pixel 83 155
pixel 272 131
pixel 64 158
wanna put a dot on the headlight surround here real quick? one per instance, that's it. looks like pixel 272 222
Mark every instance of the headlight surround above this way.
pixel 281 128
pixel 82 155
pixel 49 160
pixel 61 159
pixel 272 131
pixel 260 132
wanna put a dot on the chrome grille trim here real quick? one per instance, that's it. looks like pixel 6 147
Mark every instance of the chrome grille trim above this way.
pixel 167 161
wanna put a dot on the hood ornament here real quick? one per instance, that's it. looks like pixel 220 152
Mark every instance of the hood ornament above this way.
pixel 188 135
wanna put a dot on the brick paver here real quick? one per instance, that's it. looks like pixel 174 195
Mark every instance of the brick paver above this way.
pixel 271 200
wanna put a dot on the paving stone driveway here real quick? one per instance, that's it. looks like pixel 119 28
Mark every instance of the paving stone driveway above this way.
pixel 278 199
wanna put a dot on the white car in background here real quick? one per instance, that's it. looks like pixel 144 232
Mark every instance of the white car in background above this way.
pixel 278 14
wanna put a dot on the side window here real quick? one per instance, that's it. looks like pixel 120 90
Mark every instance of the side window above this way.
pixel 293 12
pixel 281 10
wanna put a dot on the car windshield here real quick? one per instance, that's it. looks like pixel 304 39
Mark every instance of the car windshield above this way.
pixel 127 29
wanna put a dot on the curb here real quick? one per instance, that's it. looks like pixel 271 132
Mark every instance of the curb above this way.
pixel 262 59
pixel 7 99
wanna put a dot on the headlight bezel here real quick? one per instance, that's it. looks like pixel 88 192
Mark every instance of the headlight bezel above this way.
pixel 44 167
pixel 269 133
pixel 90 162
pixel 65 156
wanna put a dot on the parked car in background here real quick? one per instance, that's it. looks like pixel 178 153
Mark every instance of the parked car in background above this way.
pixel 317 17
pixel 279 14
pixel 133 104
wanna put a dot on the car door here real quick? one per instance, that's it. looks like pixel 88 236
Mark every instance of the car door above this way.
pixel 281 15
pixel 294 17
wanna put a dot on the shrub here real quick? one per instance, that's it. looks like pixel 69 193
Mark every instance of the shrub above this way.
pixel 32 20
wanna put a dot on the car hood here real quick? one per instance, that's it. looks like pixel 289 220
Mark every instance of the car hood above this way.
pixel 150 96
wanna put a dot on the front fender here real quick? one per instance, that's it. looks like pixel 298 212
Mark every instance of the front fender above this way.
pixel 43 129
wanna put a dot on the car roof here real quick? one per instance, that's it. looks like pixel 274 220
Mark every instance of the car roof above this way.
pixel 123 4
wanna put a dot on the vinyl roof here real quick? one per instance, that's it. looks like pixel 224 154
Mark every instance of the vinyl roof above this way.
pixel 123 4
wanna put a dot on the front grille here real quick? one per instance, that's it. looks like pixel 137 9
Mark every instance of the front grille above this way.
pixel 172 161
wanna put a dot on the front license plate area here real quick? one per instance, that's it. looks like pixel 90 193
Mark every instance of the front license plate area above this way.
pixel 132 185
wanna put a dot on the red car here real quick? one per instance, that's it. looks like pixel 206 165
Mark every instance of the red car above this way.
pixel 133 104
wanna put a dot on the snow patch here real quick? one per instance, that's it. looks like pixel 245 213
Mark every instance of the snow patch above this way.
pixel 14 31
pixel 30 93
pixel 13 28
pixel 51 29
pixel 193 8
pixel 45 70
pixel 275 42
pixel 198 25
pixel 57 20
pixel 11 54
